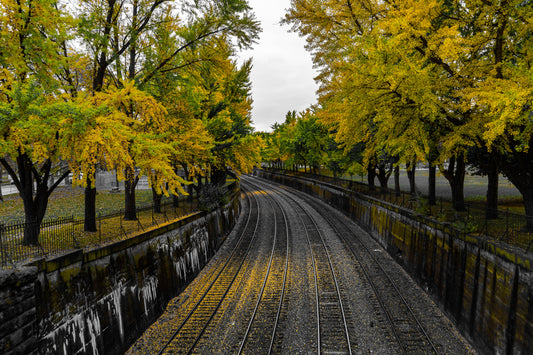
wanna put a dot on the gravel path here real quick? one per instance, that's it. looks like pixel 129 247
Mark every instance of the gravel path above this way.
pixel 296 330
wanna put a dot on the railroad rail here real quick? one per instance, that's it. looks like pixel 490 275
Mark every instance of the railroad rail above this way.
pixel 297 276
pixel 268 308
pixel 192 327
pixel 402 320
pixel 332 330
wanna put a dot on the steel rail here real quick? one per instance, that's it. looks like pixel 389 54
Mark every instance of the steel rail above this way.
pixel 339 297
pixel 222 269
pixel 261 293
pixel 396 289
pixel 334 225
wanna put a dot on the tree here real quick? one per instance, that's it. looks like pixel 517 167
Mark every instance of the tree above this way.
pixel 147 147
pixel 222 95
pixel 118 32
pixel 436 67
pixel 30 136
pixel 311 140
pixel 31 106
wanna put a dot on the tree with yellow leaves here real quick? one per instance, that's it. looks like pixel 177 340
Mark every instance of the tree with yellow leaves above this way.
pixel 119 33
pixel 220 91
pixel 32 109
pixel 455 74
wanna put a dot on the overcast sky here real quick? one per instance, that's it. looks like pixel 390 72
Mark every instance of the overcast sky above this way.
pixel 282 74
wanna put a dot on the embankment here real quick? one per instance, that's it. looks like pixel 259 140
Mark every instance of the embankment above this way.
pixel 99 301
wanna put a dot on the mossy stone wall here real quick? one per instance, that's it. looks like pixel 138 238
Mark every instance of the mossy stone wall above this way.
pixel 486 287
pixel 17 310
pixel 100 301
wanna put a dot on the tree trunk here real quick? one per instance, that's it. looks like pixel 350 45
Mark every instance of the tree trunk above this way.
pixel 457 180
pixel 89 224
pixel 156 200
pixel 397 189
pixel 455 174
pixel 34 211
pixel 432 195
pixel 518 167
pixel 411 169
pixel 459 201
pixel 1 181
pixel 175 198
pixel 33 218
pixel 130 210
pixel 32 228
pixel 383 178
pixel 34 204
pixel 458 195
pixel 528 205
pixel 371 177
pixel 218 177
pixel 491 211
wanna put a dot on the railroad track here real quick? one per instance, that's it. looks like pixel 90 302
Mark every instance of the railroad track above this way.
pixel 268 302
pixel 189 331
pixel 405 326
pixel 296 277
pixel 269 305
pixel 331 322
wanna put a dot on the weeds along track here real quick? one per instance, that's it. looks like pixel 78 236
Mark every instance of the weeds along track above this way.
pixel 196 319
pixel 398 316
pixel 332 333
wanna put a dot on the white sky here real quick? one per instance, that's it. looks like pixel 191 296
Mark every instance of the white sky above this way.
pixel 282 74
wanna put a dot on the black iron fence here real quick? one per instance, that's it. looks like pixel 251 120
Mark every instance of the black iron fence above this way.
pixel 53 233
pixel 62 234
pixel 508 227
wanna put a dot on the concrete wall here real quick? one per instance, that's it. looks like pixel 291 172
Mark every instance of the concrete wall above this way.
pixel 100 301
pixel 485 287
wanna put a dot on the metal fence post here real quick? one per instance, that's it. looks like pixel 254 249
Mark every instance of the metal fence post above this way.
pixel 100 227
pixel 3 252
pixel 507 222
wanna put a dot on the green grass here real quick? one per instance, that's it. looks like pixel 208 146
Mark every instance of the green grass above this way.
pixel 68 201
pixel 509 227
pixel 475 188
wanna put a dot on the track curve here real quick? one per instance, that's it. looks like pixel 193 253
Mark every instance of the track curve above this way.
pixel 296 276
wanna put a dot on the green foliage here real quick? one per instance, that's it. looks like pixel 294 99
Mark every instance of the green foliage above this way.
pixel 425 81
pixel 465 225
pixel 130 98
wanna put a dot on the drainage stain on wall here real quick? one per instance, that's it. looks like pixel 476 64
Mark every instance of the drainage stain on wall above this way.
pixel 100 301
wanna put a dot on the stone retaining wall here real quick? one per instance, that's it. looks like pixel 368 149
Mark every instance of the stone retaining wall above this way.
pixel 486 287
pixel 17 310
pixel 100 301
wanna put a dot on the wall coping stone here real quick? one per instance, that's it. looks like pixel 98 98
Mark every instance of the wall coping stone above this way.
pixel 80 255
